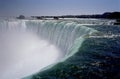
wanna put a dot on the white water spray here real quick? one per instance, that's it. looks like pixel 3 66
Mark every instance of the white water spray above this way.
pixel 23 53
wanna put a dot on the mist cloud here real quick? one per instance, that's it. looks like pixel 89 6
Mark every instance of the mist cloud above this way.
pixel 23 53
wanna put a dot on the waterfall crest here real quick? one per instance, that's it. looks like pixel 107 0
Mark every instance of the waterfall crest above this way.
pixel 67 36
pixel 63 34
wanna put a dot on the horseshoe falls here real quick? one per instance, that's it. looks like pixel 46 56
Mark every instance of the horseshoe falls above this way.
pixel 59 49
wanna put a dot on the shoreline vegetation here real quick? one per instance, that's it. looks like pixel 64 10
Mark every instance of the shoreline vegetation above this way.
pixel 106 15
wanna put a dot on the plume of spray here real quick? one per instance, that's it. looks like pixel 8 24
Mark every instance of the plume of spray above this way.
pixel 23 53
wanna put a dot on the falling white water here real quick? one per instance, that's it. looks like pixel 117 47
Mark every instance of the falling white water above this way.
pixel 23 53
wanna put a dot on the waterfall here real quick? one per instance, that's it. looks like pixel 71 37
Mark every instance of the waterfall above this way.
pixel 63 37
pixel 63 34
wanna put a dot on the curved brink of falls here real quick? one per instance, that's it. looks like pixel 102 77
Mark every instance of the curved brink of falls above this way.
pixel 85 56
pixel 65 35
